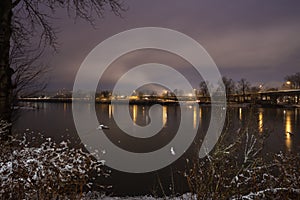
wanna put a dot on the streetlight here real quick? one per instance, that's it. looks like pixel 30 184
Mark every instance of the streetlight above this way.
pixel 261 87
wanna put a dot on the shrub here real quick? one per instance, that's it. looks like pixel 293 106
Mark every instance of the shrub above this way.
pixel 47 171
pixel 236 169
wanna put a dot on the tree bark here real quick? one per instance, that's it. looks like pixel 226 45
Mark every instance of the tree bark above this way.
pixel 5 70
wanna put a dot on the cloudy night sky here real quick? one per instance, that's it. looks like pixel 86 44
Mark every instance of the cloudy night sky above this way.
pixel 257 40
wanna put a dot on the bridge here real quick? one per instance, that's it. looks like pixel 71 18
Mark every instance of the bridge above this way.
pixel 289 97
pixel 279 97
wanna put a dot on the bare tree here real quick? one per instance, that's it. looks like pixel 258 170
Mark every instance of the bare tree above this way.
pixel 294 80
pixel 21 23
pixel 254 89
pixel 229 85
pixel 5 71
pixel 29 75
pixel 243 87
pixel 204 89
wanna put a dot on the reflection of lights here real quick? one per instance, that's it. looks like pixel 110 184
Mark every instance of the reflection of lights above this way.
pixel 200 115
pixel 164 115
pixel 288 141
pixel 110 110
pixel 288 128
pixel 195 117
pixel 65 107
pixel 260 122
pixel 134 113
pixel 240 113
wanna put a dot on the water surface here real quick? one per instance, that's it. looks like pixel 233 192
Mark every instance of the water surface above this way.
pixel 55 120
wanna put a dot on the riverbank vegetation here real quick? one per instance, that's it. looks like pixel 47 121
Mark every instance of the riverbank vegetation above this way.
pixel 237 168
pixel 39 168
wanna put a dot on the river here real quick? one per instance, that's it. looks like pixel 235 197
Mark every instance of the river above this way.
pixel 55 120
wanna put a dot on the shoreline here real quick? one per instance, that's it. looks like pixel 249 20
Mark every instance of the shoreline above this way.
pixel 152 102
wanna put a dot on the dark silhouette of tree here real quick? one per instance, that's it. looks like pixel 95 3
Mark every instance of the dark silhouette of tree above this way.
pixel 294 80
pixel 23 20
pixel 204 89
pixel 254 89
pixel 29 75
pixel 140 94
pixel 243 87
pixel 5 71
pixel 229 85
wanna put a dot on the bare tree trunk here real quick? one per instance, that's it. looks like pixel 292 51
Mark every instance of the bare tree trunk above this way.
pixel 5 70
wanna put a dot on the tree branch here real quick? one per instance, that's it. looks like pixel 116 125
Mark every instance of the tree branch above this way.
pixel 15 3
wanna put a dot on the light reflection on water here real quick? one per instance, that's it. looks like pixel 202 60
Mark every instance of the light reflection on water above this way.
pixel 110 110
pixel 265 120
pixel 288 129
pixel 200 116
pixel 65 107
pixel 260 121
pixel 165 115
pixel 52 119
pixel 195 117
pixel 55 120
pixel 134 113
pixel 240 114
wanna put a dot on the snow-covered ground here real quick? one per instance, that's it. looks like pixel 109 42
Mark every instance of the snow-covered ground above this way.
pixel 183 197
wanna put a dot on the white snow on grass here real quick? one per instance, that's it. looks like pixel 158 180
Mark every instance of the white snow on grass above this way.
pixel 187 196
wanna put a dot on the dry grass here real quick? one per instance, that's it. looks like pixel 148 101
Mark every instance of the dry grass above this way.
pixel 236 169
